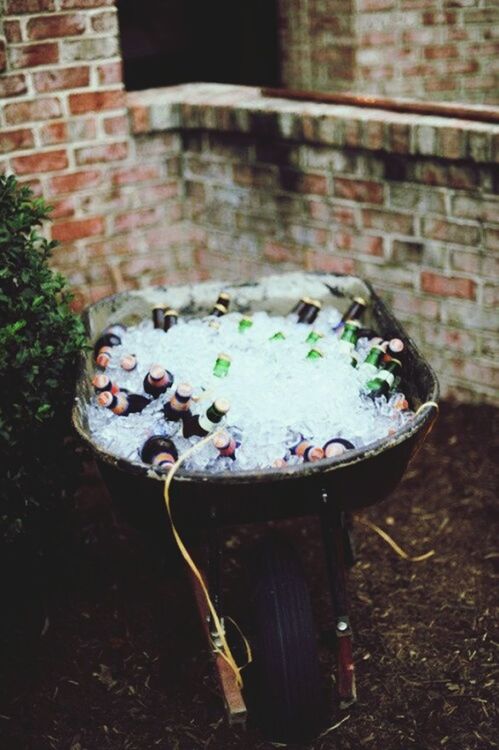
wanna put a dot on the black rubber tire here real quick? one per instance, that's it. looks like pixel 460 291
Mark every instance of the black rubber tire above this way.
pixel 285 674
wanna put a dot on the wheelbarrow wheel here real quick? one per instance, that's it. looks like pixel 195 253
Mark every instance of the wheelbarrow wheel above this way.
pixel 285 674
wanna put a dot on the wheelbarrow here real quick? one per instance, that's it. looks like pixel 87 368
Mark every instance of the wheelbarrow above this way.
pixel 284 642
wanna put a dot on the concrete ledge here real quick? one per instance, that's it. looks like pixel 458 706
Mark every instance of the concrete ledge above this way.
pixel 243 109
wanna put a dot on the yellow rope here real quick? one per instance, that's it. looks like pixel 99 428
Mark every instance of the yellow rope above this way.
pixel 224 650
pixel 428 403
pixel 387 538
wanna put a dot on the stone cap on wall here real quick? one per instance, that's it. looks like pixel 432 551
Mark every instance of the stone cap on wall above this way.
pixel 244 109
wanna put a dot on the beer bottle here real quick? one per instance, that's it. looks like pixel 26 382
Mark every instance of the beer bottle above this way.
pixel 158 316
pixel 310 312
pixel 381 384
pixel 369 367
pixel 110 336
pixel 226 444
pixel 313 337
pixel 121 403
pixel 354 312
pixel 245 323
pixel 349 336
pixel 157 381
pixel 315 354
pixel 178 407
pixel 170 319
pixel 300 306
pixel 202 424
pixel 221 306
pixel 128 362
pixel 337 446
pixel 304 449
pixel 103 357
pixel 159 451
pixel 222 366
pixel 279 336
pixel 102 382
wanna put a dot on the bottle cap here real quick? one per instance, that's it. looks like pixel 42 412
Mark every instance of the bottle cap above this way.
pixel 100 381
pixel 157 372
pixel 221 405
pixel 222 309
pixel 222 440
pixel 360 300
pixel 314 453
pixel 184 390
pixel 316 303
pixel 128 362
pixel 396 345
pixel 224 356
pixel 352 322
pixel 105 398
pixel 159 306
pixel 171 311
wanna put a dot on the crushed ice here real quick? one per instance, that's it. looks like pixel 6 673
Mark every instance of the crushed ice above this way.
pixel 276 394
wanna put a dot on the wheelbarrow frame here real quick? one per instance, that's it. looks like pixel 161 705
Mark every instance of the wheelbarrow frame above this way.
pixel 330 489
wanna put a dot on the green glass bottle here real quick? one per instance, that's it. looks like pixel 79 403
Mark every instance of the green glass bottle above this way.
pixel 313 337
pixel 349 336
pixel 315 354
pixel 222 366
pixel 244 324
pixel 384 380
pixel 370 366
pixel 279 336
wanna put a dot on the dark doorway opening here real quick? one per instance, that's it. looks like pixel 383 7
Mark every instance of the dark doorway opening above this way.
pixel 165 42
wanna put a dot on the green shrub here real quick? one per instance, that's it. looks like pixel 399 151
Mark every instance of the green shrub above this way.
pixel 40 340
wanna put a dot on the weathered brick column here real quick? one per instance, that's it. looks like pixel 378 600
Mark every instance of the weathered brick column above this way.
pixel 64 128
pixel 408 202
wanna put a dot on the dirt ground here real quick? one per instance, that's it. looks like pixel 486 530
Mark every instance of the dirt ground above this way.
pixel 112 673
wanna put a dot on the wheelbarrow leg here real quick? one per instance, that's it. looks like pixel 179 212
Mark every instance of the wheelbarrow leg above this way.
pixel 234 703
pixel 339 554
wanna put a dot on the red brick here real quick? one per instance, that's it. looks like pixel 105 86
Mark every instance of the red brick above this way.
pixel 132 175
pixel 251 175
pixel 134 219
pixel 116 125
pixel 103 153
pixel 449 338
pixel 33 110
pixel 48 161
pixel 410 304
pixel 62 209
pixel 344 216
pixel 15 7
pixel 388 221
pixel 71 4
pixel 110 72
pixel 31 55
pixel 61 78
pixel 441 52
pixel 3 54
pixel 75 181
pixel 139 117
pixel 491 238
pixel 316 260
pixel 83 128
pixel 77 230
pixel 55 25
pixel 15 140
pixel 12 31
pixel 95 101
pixel 448 231
pixel 12 85
pixel 107 21
pixel 54 132
pixel 363 244
pixel 363 191
pixel 433 19
pixel 277 253
pixel 448 286
pixel 303 182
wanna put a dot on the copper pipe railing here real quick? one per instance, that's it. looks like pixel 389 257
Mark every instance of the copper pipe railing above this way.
pixel 440 109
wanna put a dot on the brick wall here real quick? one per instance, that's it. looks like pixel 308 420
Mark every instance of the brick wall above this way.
pixel 409 203
pixel 64 128
pixel 428 49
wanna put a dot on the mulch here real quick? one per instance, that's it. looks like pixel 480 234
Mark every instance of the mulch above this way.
pixel 112 671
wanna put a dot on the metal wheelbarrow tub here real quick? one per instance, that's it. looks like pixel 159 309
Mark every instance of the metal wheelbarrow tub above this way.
pixel 286 665
pixel 361 479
